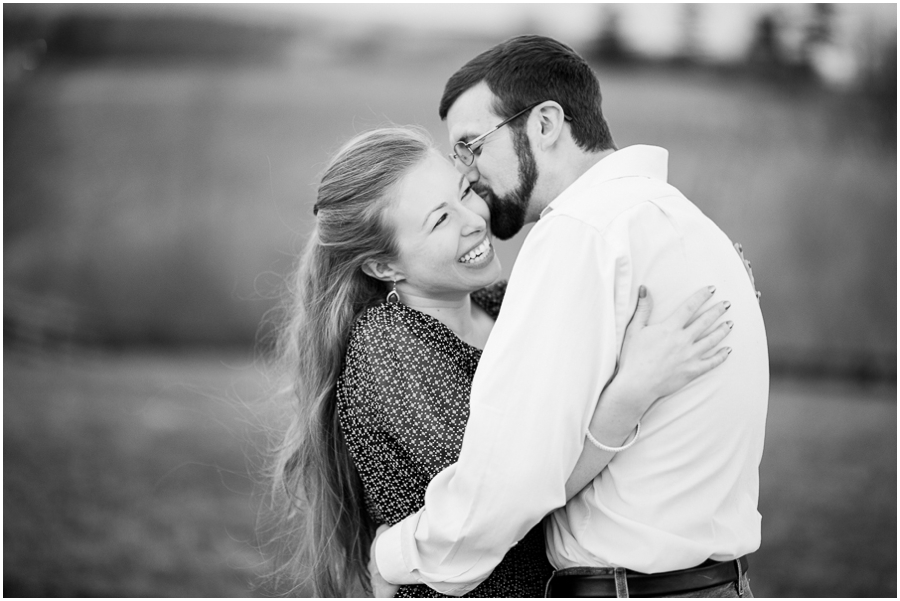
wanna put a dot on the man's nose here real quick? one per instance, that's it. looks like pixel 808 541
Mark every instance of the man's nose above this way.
pixel 470 172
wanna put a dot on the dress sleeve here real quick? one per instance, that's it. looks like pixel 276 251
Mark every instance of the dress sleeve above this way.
pixel 490 298
pixel 395 424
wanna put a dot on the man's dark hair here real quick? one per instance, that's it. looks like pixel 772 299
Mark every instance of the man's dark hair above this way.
pixel 527 69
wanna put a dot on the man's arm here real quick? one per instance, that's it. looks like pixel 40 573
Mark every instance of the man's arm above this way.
pixel 550 353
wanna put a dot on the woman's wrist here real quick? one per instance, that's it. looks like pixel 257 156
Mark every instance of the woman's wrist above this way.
pixel 620 408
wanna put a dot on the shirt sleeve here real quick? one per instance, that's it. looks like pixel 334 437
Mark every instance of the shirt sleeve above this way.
pixel 551 351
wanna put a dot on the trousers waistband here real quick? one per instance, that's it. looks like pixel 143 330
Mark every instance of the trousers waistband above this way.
pixel 620 582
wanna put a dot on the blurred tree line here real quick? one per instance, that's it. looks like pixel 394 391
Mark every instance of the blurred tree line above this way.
pixel 142 157
pixel 776 54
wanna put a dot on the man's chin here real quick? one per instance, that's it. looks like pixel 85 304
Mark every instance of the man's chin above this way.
pixel 506 218
pixel 506 229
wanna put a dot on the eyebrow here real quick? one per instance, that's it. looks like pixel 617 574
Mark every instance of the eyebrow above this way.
pixel 431 212
pixel 468 136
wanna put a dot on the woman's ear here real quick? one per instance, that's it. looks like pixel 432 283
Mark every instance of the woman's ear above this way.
pixel 381 271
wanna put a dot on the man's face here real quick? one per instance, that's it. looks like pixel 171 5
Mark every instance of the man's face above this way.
pixel 504 172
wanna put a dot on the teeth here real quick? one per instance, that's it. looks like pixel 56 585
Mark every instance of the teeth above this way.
pixel 476 252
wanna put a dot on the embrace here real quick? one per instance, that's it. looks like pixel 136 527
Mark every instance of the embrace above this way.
pixel 577 431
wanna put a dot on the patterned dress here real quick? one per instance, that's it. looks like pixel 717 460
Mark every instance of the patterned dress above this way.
pixel 403 401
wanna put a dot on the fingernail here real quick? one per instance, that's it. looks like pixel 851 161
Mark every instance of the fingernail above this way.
pixel 642 292
pixel 730 324
pixel 729 350
pixel 712 289
pixel 727 305
pixel 740 247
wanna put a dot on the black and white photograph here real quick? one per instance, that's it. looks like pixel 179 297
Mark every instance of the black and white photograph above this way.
pixel 438 300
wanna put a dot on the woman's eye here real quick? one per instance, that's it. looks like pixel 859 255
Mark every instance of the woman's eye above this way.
pixel 440 220
pixel 466 193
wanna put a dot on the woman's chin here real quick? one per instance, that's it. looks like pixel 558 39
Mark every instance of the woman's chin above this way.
pixel 484 275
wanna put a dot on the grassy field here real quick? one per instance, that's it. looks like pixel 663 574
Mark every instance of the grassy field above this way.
pixel 129 476
pixel 138 475
pixel 164 201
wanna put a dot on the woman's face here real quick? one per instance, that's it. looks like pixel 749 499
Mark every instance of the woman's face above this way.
pixel 443 233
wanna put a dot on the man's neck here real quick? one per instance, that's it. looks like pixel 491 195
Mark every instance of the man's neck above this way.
pixel 562 174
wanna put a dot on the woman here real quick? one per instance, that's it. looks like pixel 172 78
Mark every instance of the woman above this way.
pixel 395 297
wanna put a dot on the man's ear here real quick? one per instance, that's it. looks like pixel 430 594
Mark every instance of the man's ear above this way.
pixel 550 120
pixel 381 271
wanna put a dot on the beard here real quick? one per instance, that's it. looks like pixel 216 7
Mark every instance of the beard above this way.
pixel 508 211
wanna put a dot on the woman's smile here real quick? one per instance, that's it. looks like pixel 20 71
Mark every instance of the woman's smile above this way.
pixel 480 254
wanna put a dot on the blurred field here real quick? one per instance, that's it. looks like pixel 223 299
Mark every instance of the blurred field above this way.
pixel 128 476
pixel 162 201
pixel 133 475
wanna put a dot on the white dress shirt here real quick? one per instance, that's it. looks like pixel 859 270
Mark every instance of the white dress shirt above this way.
pixel 687 490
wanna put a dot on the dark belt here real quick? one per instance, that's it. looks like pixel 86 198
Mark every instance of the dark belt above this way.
pixel 602 582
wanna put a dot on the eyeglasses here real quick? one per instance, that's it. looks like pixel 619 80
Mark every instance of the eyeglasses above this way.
pixel 465 151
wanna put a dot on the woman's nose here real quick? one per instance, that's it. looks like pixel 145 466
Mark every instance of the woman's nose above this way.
pixel 474 223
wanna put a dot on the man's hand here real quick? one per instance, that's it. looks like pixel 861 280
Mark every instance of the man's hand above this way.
pixel 380 586
pixel 748 267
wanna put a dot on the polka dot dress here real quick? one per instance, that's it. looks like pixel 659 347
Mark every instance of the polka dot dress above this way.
pixel 403 401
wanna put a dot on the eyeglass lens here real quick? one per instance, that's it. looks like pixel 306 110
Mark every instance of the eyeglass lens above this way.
pixel 463 153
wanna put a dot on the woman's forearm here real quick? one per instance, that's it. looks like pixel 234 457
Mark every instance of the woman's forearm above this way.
pixel 656 361
pixel 614 420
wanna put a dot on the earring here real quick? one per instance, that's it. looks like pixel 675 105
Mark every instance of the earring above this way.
pixel 393 296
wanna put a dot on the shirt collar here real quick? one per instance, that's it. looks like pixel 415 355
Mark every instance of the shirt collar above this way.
pixel 639 160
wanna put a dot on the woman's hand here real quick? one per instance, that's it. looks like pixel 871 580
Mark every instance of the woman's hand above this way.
pixel 380 586
pixel 662 358
pixel 656 360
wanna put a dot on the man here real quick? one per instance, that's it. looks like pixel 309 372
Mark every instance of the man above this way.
pixel 676 512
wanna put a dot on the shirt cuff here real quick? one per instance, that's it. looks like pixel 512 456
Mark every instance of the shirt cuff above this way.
pixel 389 555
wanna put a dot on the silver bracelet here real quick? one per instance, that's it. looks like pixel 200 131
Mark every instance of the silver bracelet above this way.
pixel 603 447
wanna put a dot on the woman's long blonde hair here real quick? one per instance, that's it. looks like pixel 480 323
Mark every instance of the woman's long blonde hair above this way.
pixel 324 531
